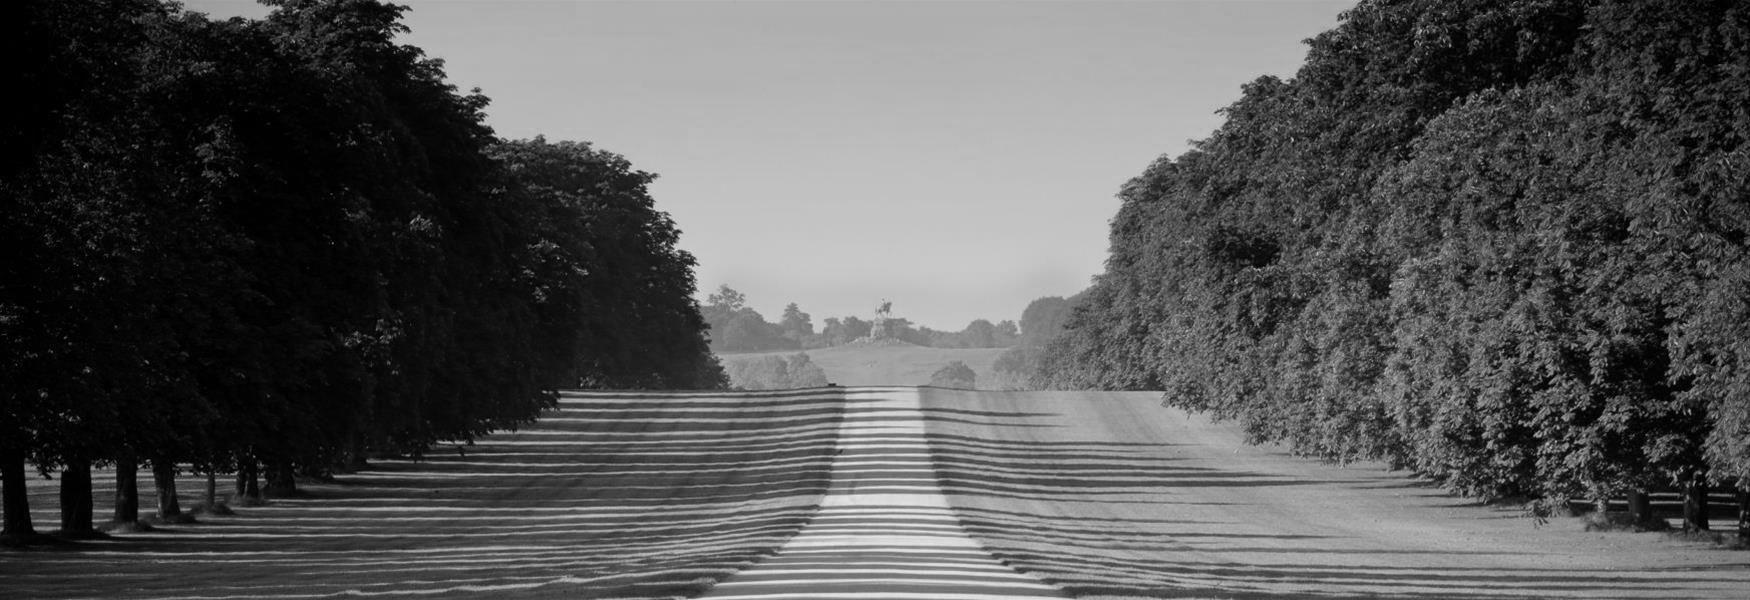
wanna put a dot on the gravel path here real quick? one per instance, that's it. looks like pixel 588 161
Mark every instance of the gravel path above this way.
pixel 884 529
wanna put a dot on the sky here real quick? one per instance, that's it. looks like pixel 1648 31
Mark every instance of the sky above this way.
pixel 958 158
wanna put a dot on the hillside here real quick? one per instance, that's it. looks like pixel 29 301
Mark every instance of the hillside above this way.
pixel 888 363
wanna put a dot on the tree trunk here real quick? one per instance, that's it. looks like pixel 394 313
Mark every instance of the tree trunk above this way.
pixel 164 477
pixel 212 500
pixel 1695 502
pixel 248 486
pixel 1640 507
pixel 1743 517
pixel 16 501
pixel 127 493
pixel 281 481
pixel 355 454
pixel 76 503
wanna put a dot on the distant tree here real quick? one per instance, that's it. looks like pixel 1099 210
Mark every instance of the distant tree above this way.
pixel 720 308
pixel 902 329
pixel 856 329
pixel 745 332
pixel 1020 366
pixel 1007 334
pixel 956 375
pixel 735 327
pixel 726 299
pixel 776 373
pixel 839 332
pixel 803 373
pixel 1043 318
pixel 979 334
pixel 795 324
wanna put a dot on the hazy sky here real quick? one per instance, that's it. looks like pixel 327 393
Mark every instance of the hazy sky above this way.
pixel 957 158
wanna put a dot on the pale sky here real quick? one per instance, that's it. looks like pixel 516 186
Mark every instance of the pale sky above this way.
pixel 958 158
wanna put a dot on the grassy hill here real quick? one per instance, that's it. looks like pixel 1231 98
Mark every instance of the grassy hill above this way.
pixel 889 362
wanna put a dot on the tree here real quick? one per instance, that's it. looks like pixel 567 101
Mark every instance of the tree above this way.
pixel 274 246
pixel 1007 333
pixel 803 373
pixel 776 373
pixel 612 292
pixel 726 299
pixel 795 323
pixel 738 328
pixel 955 375
pixel 979 333
pixel 839 332
pixel 1043 318
pixel 1493 242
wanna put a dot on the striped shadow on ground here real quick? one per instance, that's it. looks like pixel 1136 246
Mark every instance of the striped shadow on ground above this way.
pixel 612 495
pixel 884 530
pixel 1109 495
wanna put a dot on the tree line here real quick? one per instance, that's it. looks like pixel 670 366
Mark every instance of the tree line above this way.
pixel 769 372
pixel 737 327
pixel 1041 321
pixel 1505 244
pixel 276 247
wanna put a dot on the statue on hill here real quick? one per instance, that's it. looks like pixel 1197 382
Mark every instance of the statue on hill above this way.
pixel 878 329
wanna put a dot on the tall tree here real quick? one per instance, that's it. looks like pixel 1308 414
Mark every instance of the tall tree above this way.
pixel 1496 242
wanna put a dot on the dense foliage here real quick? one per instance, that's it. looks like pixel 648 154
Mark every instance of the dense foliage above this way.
pixel 955 375
pixel 1502 243
pixel 1041 322
pixel 796 371
pixel 288 243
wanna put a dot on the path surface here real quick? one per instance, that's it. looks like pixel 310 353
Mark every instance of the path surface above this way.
pixel 867 493
pixel 884 529
pixel 1110 495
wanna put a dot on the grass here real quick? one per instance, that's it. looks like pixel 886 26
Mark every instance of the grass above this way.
pixel 1110 496
pixel 612 495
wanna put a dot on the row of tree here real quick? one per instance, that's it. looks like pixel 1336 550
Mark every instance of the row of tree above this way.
pixel 1503 243
pixel 737 327
pixel 279 246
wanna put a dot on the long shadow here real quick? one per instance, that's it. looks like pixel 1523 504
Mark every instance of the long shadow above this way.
pixel 651 498
pixel 1145 558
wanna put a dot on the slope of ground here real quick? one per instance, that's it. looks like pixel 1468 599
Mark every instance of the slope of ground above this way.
pixel 1110 495
pixel 880 364
pixel 611 495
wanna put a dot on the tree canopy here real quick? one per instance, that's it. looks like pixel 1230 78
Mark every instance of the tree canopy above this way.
pixel 290 242
pixel 1500 243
